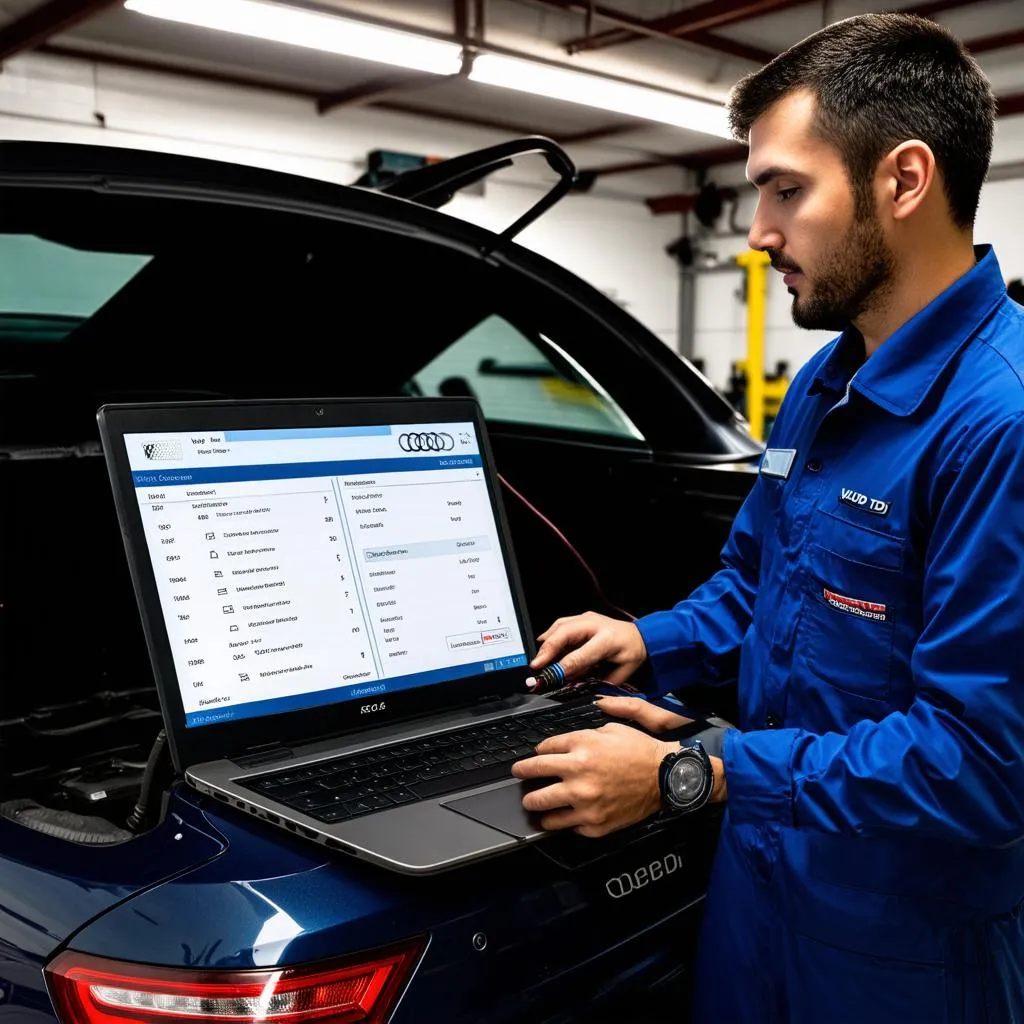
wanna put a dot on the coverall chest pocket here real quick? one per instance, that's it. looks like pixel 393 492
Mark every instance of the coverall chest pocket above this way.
pixel 852 600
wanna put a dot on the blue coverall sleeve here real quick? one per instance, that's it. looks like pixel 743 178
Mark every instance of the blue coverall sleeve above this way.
pixel 683 643
pixel 951 766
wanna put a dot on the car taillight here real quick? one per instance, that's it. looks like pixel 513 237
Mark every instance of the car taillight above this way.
pixel 365 988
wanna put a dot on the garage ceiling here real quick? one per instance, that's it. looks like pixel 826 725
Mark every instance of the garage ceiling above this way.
pixel 699 48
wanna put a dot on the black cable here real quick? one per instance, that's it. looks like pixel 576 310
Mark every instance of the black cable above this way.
pixel 138 819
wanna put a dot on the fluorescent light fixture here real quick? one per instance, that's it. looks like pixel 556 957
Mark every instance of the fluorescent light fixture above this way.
pixel 603 93
pixel 282 24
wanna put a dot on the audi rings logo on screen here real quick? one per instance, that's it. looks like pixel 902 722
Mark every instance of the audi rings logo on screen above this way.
pixel 427 441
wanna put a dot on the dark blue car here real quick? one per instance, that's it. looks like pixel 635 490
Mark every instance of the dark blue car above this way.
pixel 125 896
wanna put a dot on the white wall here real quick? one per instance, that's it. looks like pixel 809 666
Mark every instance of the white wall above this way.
pixel 1001 211
pixel 721 317
pixel 608 236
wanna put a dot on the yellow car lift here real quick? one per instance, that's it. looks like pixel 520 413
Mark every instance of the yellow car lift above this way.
pixel 756 265
pixel 761 393
pixel 774 391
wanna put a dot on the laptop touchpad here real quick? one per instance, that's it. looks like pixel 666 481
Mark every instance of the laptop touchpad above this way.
pixel 502 808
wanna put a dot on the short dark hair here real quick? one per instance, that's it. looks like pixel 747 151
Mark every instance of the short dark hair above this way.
pixel 879 80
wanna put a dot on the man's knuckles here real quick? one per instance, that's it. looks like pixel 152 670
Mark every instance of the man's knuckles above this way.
pixel 573 663
pixel 542 800
pixel 529 768
pixel 584 794
pixel 622 707
pixel 617 729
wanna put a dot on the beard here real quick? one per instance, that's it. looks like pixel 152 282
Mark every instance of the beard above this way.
pixel 850 279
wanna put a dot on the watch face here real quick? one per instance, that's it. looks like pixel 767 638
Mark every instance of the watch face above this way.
pixel 686 780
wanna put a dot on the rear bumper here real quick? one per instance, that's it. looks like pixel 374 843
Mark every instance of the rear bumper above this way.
pixel 611 940
pixel 644 978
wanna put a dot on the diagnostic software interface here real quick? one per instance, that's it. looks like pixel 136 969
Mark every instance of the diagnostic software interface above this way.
pixel 302 567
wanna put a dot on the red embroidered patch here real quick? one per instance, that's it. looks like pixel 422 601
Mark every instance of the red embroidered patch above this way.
pixel 850 605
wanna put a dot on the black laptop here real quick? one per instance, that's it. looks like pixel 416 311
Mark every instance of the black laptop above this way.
pixel 335 618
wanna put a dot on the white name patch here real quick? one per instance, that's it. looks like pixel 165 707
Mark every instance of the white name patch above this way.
pixel 778 462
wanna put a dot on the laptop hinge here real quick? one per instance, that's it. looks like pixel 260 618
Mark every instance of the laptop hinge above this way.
pixel 267 753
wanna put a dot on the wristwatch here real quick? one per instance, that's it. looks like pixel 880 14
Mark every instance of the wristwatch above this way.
pixel 685 778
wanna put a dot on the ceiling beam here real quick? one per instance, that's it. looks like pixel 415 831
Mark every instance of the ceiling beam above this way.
pixel 708 15
pixel 1010 105
pixel 692 24
pixel 620 19
pixel 1014 169
pixel 727 46
pixel 678 202
pixel 933 7
pixel 597 134
pixel 465 119
pixel 461 18
pixel 44 22
pixel 698 160
pixel 704 159
pixel 372 91
pixel 633 167
pixel 623 20
pixel 185 71
pixel 997 41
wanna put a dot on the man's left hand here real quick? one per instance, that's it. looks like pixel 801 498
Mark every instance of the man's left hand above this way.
pixel 603 779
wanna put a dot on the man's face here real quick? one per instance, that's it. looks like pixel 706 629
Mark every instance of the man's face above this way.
pixel 837 260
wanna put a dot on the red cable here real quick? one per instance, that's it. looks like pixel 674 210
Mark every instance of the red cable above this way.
pixel 565 540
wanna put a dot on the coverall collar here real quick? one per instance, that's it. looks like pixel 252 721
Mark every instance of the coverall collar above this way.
pixel 904 369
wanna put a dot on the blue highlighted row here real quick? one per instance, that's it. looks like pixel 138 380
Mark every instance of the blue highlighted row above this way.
pixel 305 433
pixel 296 470
pixel 339 694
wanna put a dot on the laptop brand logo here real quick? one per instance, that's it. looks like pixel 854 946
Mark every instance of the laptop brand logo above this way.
pixel 162 450
pixel 427 441
pixel 369 709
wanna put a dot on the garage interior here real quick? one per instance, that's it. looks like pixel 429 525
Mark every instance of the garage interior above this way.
pixel 362 92
pixel 87 71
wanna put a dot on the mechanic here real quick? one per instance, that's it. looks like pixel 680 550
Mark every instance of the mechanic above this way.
pixel 870 864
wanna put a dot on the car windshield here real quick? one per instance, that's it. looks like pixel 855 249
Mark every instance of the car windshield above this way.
pixel 48 289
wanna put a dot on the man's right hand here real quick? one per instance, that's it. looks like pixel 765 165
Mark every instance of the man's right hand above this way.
pixel 582 641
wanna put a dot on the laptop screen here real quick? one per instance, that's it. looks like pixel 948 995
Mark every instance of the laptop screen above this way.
pixel 299 568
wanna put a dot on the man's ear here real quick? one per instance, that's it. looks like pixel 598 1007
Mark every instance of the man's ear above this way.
pixel 910 176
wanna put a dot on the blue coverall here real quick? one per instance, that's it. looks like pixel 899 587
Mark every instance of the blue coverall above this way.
pixel 871 864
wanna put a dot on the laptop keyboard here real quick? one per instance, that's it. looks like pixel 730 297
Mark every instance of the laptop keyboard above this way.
pixel 357 784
